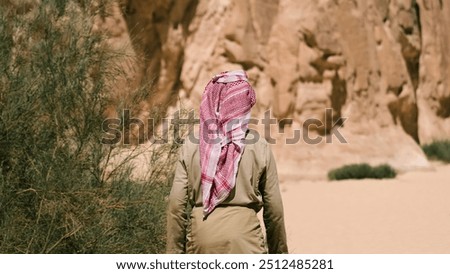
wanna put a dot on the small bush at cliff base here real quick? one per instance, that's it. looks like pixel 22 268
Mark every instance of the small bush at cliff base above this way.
pixel 438 150
pixel 362 171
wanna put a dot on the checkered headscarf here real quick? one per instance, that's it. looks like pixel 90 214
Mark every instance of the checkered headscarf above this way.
pixel 224 116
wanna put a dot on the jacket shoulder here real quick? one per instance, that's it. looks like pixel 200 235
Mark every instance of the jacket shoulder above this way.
pixel 253 138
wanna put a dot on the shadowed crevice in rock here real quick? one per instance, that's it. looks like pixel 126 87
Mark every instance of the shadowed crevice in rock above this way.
pixel 411 53
pixel 158 31
pixel 410 37
pixel 338 98
pixel 444 110
pixel 403 21
pixel 187 18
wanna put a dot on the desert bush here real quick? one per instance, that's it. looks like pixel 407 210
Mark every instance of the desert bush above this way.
pixel 438 150
pixel 361 171
pixel 55 197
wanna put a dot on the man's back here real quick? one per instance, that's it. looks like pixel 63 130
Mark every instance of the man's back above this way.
pixel 256 187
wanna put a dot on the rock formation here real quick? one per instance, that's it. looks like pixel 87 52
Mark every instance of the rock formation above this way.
pixel 433 93
pixel 368 79
pixel 380 64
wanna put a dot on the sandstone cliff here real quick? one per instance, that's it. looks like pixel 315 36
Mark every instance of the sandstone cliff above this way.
pixel 381 66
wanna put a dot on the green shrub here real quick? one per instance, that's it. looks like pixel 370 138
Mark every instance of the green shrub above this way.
pixel 361 171
pixel 438 150
pixel 55 196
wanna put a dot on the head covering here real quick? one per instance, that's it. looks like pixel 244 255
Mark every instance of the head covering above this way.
pixel 224 116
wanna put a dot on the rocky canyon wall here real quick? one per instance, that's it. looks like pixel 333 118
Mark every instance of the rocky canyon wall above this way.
pixel 381 66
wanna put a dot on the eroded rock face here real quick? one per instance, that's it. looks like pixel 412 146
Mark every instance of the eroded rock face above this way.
pixel 159 32
pixel 374 72
pixel 433 94
pixel 381 64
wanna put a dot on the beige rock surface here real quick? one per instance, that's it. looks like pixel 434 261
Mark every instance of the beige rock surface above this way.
pixel 381 66
pixel 433 94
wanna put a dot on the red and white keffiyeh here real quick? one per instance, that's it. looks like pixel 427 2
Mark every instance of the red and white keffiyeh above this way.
pixel 224 116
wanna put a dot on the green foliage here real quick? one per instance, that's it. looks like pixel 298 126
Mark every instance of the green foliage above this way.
pixel 438 150
pixel 362 171
pixel 56 195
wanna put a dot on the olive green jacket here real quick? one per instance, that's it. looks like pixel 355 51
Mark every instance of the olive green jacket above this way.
pixel 256 187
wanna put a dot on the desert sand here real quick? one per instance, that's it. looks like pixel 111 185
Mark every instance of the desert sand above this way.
pixel 408 214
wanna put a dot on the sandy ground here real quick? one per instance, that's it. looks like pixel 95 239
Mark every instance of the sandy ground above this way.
pixel 409 214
